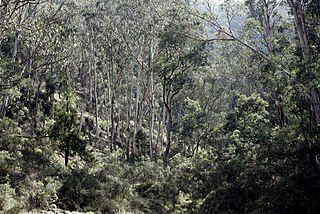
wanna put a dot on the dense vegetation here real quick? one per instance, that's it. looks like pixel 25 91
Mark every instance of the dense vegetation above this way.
pixel 159 106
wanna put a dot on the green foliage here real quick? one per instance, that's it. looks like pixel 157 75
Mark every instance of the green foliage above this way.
pixel 8 201
pixel 9 131
pixel 251 122
pixel 241 124
pixel 65 130
pixel 192 118
pixel 6 165
pixel 78 191
pixel 40 194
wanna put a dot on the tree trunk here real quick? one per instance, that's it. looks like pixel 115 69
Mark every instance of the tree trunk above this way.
pixel 95 85
pixel 112 123
pixel 266 22
pixel 151 119
pixel 18 32
pixel 162 122
pixel 151 103
pixel 111 97
pixel 168 137
pixel 67 145
pixel 89 105
pixel 158 141
pixel 81 122
pixel 4 106
pixel 315 104
pixel 35 119
pixel 129 100
pixel 136 116
pixel 118 127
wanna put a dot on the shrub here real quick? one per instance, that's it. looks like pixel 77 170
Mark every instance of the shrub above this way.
pixel 8 201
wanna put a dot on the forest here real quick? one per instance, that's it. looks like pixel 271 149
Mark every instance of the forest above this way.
pixel 160 106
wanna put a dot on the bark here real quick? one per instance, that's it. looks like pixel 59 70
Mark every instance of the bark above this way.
pixel 35 119
pixel 168 137
pixel 156 150
pixel 136 116
pixel 4 105
pixel 151 106
pixel 118 127
pixel 112 123
pixel 164 116
pixel 129 102
pixel 315 104
pixel 66 154
pixel 67 145
pixel 111 97
pixel 266 22
pixel 81 122
pixel 89 106
pixel 95 85
pixel 281 117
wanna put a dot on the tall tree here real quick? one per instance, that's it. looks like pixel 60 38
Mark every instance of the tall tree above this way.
pixel 299 12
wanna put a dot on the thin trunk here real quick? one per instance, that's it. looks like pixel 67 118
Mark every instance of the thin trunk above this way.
pixel 280 110
pixel 136 116
pixel 267 25
pixel 140 113
pixel 118 127
pixel 81 122
pixel 66 154
pixel 95 85
pixel 281 116
pixel 112 123
pixel 167 106
pixel 111 97
pixel 35 119
pixel 315 103
pixel 4 105
pixel 18 33
pixel 67 146
pixel 156 150
pixel 162 122
pixel 90 87
pixel 151 103
pixel 129 100
pixel 151 119
pixel 29 76
pixel 168 137
pixel 52 71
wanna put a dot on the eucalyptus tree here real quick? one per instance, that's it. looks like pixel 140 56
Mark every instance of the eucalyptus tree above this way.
pixel 179 55
pixel 299 12
pixel 268 25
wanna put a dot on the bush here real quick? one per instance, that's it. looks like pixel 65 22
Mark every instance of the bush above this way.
pixel 8 201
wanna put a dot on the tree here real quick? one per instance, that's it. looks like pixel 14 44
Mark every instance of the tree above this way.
pixel 65 130
pixel 297 9
pixel 179 55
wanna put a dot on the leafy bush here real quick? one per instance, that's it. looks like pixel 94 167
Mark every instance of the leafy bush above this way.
pixel 8 200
